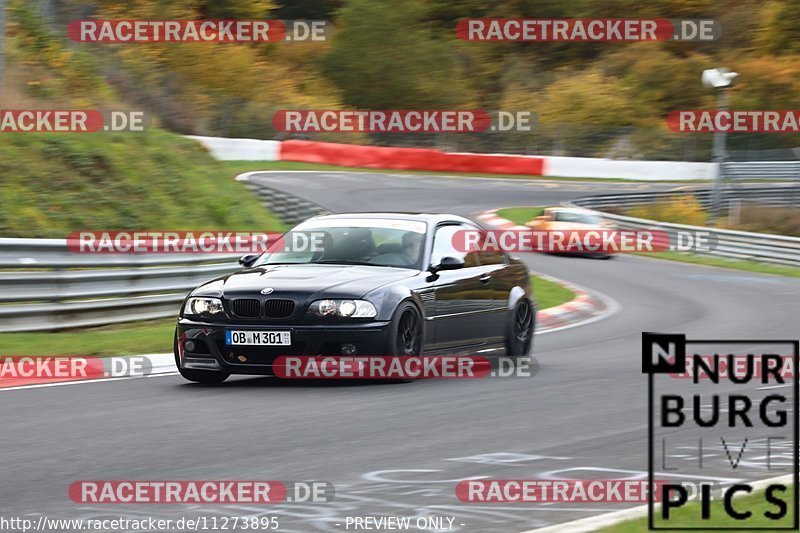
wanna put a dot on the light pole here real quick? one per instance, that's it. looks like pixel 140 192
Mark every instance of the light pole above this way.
pixel 720 79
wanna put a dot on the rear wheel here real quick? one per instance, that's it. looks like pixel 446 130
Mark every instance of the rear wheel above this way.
pixel 520 331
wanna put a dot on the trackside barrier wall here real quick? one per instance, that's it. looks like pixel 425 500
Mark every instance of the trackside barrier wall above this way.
pixel 225 149
pixel 427 159
pixel 587 167
pixel 349 155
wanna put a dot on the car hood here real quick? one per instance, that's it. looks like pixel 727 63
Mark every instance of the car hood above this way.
pixel 343 281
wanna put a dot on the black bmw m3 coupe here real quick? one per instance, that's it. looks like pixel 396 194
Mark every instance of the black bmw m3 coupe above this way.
pixel 375 284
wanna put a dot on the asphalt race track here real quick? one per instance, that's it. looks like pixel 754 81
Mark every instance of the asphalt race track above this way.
pixel 396 449
pixel 348 191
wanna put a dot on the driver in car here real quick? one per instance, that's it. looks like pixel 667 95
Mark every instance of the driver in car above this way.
pixel 412 246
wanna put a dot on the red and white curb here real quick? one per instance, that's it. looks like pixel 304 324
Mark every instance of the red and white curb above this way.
pixel 491 218
pixel 587 306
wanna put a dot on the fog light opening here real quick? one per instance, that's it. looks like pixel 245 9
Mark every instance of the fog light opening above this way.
pixel 349 349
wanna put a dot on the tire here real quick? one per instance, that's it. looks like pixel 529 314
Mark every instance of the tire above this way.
pixel 408 318
pixel 407 323
pixel 207 377
pixel 519 336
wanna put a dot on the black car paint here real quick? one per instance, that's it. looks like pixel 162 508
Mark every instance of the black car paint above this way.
pixel 464 310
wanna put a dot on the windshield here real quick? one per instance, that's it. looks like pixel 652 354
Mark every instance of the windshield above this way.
pixel 385 242
pixel 577 217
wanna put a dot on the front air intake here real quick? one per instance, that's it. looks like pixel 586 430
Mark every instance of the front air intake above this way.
pixel 278 308
pixel 246 308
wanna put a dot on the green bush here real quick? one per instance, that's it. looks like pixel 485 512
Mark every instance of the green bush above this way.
pixel 682 209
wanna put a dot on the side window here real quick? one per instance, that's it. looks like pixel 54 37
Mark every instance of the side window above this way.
pixel 487 257
pixel 491 258
pixel 443 246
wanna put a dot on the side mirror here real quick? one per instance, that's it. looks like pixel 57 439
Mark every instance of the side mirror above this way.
pixel 448 263
pixel 543 218
pixel 248 260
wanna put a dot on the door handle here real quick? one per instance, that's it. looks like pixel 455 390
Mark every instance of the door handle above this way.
pixel 486 278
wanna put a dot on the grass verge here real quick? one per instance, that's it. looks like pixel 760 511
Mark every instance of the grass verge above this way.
pixel 549 293
pixel 152 336
pixel 520 215
pixel 155 336
pixel 688 516
pixel 57 183
pixel 732 264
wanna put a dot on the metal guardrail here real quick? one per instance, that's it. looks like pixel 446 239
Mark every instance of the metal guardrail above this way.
pixel 732 244
pixel 45 286
pixel 773 170
pixel 288 208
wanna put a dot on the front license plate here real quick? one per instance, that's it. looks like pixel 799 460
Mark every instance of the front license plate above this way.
pixel 259 338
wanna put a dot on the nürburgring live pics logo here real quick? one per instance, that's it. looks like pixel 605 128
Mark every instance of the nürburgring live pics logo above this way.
pixel 723 413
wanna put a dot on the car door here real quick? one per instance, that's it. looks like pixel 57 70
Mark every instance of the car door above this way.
pixel 462 296
pixel 495 265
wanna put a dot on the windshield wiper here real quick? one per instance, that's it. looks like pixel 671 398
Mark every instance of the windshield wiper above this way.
pixel 341 262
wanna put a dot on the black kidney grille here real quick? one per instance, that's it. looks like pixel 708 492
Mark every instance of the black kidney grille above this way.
pixel 278 308
pixel 246 308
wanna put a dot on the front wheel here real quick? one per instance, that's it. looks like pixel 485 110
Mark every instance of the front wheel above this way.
pixel 406 332
pixel 406 336
pixel 519 338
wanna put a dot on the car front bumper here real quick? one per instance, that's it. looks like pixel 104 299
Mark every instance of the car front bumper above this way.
pixel 212 353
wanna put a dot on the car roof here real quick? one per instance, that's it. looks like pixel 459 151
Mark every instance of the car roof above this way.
pixel 429 218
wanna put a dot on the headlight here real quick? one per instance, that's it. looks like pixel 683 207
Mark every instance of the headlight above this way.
pixel 344 308
pixel 203 306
